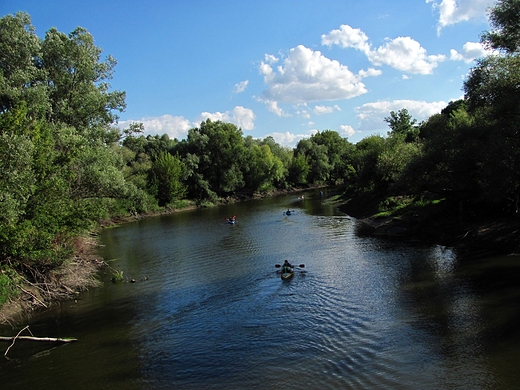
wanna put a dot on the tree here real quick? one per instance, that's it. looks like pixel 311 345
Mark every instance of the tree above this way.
pixel 491 90
pixel 22 78
pixel 365 159
pixel 339 153
pixel 60 170
pixel 221 156
pixel 264 168
pixel 402 125
pixel 77 80
pixel 166 178
pixel 503 18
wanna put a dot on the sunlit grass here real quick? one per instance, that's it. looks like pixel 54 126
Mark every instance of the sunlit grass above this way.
pixel 401 205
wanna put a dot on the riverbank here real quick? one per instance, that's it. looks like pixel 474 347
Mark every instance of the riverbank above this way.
pixel 438 223
pixel 65 282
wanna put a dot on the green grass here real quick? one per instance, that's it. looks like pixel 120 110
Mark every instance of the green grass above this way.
pixel 401 205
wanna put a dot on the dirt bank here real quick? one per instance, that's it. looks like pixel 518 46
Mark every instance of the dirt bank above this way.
pixel 65 282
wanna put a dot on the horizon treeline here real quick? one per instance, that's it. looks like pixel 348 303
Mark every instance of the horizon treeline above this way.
pixel 65 165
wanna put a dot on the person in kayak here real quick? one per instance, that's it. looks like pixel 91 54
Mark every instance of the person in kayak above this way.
pixel 287 267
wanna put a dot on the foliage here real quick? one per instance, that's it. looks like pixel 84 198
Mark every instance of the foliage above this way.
pixel 166 179
pixel 8 283
pixel 402 125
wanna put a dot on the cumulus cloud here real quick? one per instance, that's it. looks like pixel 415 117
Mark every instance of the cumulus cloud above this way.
pixel 402 53
pixel 174 126
pixel 306 76
pixel 470 51
pixel 241 86
pixel 346 37
pixel 456 11
pixel 405 54
pixel 346 131
pixel 240 116
pixel 371 115
pixel 320 110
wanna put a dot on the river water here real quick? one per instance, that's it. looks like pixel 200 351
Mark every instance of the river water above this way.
pixel 208 309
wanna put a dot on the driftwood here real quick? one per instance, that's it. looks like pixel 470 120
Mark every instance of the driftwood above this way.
pixel 33 338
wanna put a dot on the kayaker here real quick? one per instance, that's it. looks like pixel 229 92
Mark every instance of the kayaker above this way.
pixel 287 267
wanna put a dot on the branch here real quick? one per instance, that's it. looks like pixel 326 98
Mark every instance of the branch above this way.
pixel 32 338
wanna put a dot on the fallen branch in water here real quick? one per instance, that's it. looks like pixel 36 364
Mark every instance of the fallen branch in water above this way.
pixel 32 338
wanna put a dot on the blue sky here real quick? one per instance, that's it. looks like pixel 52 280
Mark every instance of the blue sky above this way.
pixel 283 68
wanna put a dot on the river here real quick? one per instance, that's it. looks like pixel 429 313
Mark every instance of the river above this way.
pixel 208 309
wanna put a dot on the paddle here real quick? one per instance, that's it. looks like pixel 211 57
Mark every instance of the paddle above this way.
pixel 298 266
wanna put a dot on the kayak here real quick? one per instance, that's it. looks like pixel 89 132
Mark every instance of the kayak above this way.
pixel 287 273
pixel 231 221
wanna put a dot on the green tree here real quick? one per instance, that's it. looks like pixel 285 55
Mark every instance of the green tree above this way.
pixel 366 157
pixel 22 78
pixel 339 153
pixel 503 18
pixel 78 81
pixel 221 155
pixel 166 178
pixel 264 168
pixel 402 125
pixel 491 90
pixel 63 170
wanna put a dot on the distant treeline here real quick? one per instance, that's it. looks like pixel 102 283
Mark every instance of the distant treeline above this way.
pixel 65 166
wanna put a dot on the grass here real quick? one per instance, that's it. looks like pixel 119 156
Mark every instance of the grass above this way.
pixel 399 206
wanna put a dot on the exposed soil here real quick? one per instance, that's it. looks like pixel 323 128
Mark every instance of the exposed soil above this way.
pixel 65 282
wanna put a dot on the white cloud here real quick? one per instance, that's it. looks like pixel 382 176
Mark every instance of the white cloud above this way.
pixel 304 113
pixel 470 51
pixel 241 86
pixel 346 37
pixel 174 126
pixel 244 118
pixel 270 59
pixel 346 131
pixel 372 115
pixel 307 76
pixel 289 139
pixel 320 110
pixel 241 116
pixel 405 54
pixel 402 53
pixel 370 72
pixel 456 11
pixel 273 107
